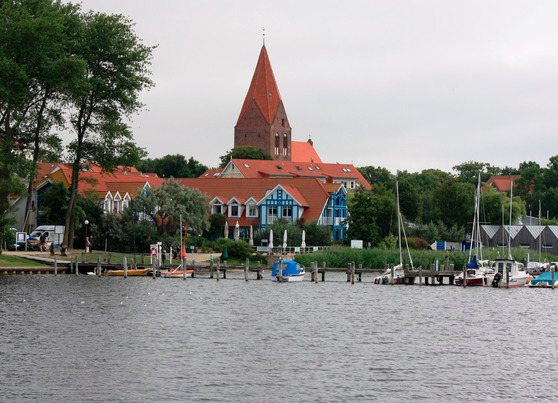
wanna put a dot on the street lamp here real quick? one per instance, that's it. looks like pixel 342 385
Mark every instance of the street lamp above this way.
pixel 86 222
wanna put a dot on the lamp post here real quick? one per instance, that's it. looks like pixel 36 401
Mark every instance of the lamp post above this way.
pixel 86 222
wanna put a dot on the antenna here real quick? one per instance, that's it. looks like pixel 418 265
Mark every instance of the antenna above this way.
pixel 263 33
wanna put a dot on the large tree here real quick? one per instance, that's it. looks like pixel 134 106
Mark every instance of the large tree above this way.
pixel 166 204
pixel 107 95
pixel 246 153
pixel 174 165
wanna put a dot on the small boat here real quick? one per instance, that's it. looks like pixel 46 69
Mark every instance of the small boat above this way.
pixel 476 273
pixel 287 270
pixel 176 273
pixel 129 272
pixel 518 277
pixel 544 280
pixel 396 275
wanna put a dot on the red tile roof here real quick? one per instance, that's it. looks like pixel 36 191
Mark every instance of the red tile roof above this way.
pixel 327 172
pixel 308 191
pixel 502 183
pixel 263 89
pixel 303 151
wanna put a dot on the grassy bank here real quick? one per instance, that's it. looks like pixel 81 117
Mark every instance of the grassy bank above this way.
pixel 378 258
pixel 14 261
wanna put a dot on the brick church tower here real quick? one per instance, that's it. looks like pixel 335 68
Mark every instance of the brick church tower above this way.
pixel 263 121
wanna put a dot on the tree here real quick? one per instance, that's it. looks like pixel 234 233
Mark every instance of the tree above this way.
pixel 116 73
pixel 455 201
pixel 55 199
pixel 468 171
pixel 244 152
pixel 175 166
pixel 167 203
pixel 378 175
pixel 372 214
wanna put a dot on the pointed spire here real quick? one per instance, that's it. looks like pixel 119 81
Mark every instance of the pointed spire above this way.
pixel 263 89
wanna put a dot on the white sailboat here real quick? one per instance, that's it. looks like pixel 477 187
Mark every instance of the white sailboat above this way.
pixel 396 274
pixel 508 272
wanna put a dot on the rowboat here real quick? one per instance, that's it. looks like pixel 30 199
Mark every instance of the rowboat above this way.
pixel 176 273
pixel 129 272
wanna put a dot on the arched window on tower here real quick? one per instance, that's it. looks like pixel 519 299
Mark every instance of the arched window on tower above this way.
pixel 285 144
pixel 277 144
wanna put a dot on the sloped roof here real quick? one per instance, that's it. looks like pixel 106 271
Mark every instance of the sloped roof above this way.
pixel 502 183
pixel 304 151
pixel 513 230
pixel 534 230
pixel 310 190
pixel 328 172
pixel 490 230
pixel 263 89
pixel 553 229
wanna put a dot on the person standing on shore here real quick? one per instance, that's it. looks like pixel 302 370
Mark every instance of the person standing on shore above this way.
pixel 91 244
pixel 87 244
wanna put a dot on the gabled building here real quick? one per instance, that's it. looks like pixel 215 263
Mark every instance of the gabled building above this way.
pixel 345 174
pixel 502 183
pixel 259 202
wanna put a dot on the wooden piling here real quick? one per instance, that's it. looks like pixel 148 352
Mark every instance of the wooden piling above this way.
pixel 353 266
pixel 211 269
pixel 246 269
pixel 125 266
pixel 71 263
pixel 184 269
pixel 154 268
pixel 553 270
pixel 218 269
pixel 280 272
pixel 98 268
pixel 55 266
pixel 420 276
pixel 259 276
pixel 323 271
pixel 360 273
pixel 392 273
pixel 349 272
pixel 77 266
pixel 193 268
pixel 507 276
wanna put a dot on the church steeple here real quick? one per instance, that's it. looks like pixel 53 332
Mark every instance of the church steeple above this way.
pixel 263 89
pixel 263 121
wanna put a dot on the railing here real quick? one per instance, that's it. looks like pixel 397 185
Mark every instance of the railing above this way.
pixel 289 250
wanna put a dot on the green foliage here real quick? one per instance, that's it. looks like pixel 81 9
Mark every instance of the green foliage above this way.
pixel 168 202
pixel 53 205
pixel 438 231
pixel 175 166
pixel 246 153
pixel 239 250
pixel 377 176
pixel 216 225
pixel 372 213
pixel 468 171
pixel 455 201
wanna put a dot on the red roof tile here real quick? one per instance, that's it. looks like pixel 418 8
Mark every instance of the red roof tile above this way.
pixel 303 151
pixel 502 183
pixel 263 89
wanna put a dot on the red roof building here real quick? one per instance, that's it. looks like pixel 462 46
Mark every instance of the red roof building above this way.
pixel 502 183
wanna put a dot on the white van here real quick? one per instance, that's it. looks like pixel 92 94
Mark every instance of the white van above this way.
pixel 54 234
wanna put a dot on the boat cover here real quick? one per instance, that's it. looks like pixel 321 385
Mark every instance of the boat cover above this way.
pixel 473 264
pixel 544 277
pixel 290 267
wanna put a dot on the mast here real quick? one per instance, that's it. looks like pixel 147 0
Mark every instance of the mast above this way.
pixel 399 223
pixel 540 233
pixel 509 232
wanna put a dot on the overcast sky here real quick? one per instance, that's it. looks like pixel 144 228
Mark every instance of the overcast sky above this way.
pixel 402 84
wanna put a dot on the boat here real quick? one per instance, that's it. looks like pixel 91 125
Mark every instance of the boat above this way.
pixel 287 270
pixel 176 273
pixel 129 272
pixel 508 268
pixel 544 280
pixel 476 271
pixel 396 274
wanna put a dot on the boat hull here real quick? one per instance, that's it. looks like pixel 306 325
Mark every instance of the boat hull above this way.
pixel 131 272
pixel 176 274
pixel 290 278
pixel 471 282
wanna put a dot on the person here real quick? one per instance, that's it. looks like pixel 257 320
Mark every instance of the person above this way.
pixel 42 239
pixel 87 244
pixel 51 249
pixel 164 256
pixel 91 244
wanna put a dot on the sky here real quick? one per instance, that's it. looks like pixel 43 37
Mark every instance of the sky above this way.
pixel 400 84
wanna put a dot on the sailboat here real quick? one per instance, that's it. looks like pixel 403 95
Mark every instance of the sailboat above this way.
pixel 508 272
pixel 396 274
pixel 476 270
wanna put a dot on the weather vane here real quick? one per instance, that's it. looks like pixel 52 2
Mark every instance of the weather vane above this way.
pixel 263 33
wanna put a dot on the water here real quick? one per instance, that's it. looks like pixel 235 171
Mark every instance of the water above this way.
pixel 84 338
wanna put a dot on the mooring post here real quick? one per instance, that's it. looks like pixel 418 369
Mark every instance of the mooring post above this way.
pixel 185 269
pixel 154 268
pixel 553 270
pixel 353 268
pixel 392 274
pixel 125 266
pixel 323 271
pixel 259 276
pixel 55 266
pixel 218 268
pixel 77 266
pixel 280 272
pixel 211 269
pixel 315 266
pixel 71 263
pixel 420 276
pixel 193 268
pixel 98 266
pixel 246 269
pixel 360 273
pixel 507 276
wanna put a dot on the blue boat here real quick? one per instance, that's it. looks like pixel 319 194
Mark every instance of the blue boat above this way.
pixel 287 270
pixel 544 280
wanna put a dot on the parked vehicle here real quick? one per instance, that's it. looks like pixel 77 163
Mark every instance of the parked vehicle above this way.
pixel 53 234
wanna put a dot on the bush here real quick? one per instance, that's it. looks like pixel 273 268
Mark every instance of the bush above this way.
pixel 239 250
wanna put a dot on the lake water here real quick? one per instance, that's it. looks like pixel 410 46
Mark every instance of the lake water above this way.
pixel 69 338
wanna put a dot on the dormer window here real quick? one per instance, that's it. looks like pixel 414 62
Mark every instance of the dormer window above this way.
pixel 246 165
pixel 310 168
